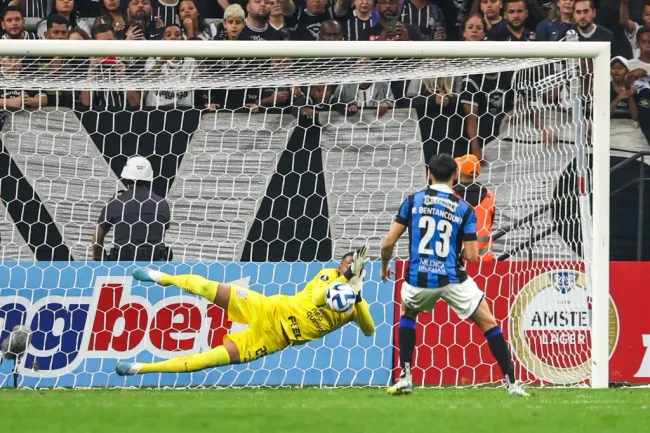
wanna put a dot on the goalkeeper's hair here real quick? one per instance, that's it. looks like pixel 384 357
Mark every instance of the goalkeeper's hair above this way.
pixel 346 255
pixel 442 167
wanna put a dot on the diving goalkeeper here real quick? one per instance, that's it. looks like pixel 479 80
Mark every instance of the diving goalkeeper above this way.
pixel 275 322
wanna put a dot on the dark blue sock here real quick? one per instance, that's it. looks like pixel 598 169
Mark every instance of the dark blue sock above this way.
pixel 500 351
pixel 406 343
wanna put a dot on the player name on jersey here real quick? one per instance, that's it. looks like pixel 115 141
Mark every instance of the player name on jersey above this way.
pixel 438 212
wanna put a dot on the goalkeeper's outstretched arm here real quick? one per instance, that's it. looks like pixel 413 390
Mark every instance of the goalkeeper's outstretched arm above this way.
pixel 361 308
pixel 352 271
pixel 363 318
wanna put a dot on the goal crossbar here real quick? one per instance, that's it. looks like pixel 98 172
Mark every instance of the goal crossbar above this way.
pixel 303 49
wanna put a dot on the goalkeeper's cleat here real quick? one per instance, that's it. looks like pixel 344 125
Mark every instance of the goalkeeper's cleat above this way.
pixel 146 274
pixel 126 368
pixel 516 390
pixel 403 386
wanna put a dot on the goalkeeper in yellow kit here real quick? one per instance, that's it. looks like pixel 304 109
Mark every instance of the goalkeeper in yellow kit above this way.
pixel 275 322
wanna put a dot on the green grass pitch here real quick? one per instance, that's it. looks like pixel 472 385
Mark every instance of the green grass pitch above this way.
pixel 325 410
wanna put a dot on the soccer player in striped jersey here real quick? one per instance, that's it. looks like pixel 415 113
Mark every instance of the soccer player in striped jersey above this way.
pixel 442 231
pixel 275 322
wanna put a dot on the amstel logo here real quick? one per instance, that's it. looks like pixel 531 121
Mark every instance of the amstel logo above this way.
pixel 550 323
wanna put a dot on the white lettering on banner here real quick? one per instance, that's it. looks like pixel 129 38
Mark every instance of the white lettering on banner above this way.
pixel 555 338
pixel 644 368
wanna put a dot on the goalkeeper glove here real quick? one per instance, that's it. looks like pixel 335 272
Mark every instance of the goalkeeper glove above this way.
pixel 359 260
pixel 357 271
pixel 357 283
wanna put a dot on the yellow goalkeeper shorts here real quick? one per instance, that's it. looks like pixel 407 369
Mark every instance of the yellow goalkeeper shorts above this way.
pixel 264 335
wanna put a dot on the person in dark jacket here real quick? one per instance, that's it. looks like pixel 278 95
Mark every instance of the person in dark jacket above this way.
pixel 140 218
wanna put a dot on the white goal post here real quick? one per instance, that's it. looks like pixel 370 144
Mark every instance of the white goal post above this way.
pixel 322 63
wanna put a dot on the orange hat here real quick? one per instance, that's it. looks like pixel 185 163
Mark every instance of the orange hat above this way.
pixel 468 165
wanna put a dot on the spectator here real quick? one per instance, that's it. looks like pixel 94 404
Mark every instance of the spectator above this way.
pixel 388 28
pixel 140 25
pixel 78 35
pixel 233 22
pixel 440 116
pixel 631 28
pixel 233 99
pixel 276 19
pixel 305 21
pixel 358 20
pixel 481 199
pixel 490 10
pixel 536 13
pixel 639 77
pixel 140 218
pixel 584 14
pixel 455 13
pixel 170 67
pixel 309 100
pixel 609 18
pixel 515 13
pixel 193 23
pixel 31 8
pixel 211 9
pixel 113 14
pixel 257 23
pixel 165 12
pixel 331 30
pixel 439 119
pixel 14 98
pixel 485 98
pixel 65 8
pixel 108 66
pixel 355 97
pixel 560 19
pixel 640 66
pixel 57 28
pixel 13 24
pixel 474 28
pixel 426 16
pixel 623 105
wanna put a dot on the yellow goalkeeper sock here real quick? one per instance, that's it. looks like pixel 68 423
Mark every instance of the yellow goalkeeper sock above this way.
pixel 187 363
pixel 194 284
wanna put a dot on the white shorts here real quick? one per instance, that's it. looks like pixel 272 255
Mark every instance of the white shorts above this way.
pixel 463 298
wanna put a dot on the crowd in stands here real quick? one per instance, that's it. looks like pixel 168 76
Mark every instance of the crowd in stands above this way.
pixel 468 108
pixel 458 115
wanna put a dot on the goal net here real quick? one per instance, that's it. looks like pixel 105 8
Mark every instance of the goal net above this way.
pixel 274 165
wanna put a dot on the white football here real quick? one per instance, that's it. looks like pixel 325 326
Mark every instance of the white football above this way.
pixel 340 297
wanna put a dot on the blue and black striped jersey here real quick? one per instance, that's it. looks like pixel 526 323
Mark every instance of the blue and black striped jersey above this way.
pixel 438 222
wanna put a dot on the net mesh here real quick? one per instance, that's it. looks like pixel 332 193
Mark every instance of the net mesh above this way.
pixel 270 183
pixel 110 72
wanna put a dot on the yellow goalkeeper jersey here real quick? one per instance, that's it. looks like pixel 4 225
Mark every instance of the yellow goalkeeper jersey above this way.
pixel 305 317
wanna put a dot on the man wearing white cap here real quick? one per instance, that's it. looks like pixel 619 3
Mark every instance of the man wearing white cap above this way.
pixel 140 218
